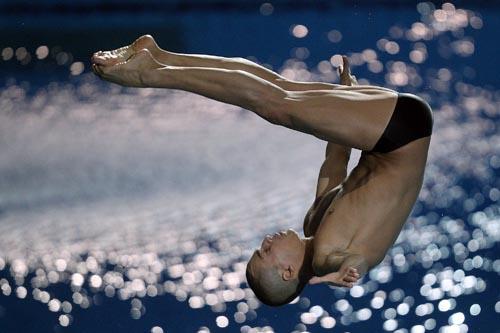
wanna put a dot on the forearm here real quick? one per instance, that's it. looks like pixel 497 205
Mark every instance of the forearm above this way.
pixel 334 169
pixel 331 175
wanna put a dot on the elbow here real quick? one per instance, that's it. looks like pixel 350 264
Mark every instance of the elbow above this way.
pixel 372 262
pixel 362 263
pixel 365 265
pixel 325 264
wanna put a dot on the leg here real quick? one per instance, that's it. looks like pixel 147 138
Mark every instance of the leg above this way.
pixel 237 63
pixel 194 60
pixel 334 169
pixel 353 118
pixel 198 60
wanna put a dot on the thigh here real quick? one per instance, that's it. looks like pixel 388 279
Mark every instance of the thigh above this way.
pixel 353 118
pixel 411 158
pixel 404 167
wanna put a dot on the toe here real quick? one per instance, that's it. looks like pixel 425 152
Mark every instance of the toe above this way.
pixel 99 61
pixel 99 69
pixel 95 56
pixel 95 69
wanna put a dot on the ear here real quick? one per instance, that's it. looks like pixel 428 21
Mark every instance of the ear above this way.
pixel 288 273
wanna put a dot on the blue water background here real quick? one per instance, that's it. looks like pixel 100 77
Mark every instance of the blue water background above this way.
pixel 144 181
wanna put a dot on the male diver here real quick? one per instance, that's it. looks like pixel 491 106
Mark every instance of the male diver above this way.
pixel 355 218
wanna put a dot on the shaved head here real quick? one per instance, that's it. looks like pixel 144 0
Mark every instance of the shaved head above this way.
pixel 275 272
pixel 269 286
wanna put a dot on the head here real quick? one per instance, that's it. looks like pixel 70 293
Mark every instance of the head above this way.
pixel 275 272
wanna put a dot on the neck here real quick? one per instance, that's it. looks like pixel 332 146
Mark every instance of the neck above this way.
pixel 306 271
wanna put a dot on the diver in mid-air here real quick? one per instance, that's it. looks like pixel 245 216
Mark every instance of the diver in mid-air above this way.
pixel 355 218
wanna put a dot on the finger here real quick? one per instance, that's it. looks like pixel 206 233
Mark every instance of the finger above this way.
pixel 350 279
pixel 352 274
pixel 345 60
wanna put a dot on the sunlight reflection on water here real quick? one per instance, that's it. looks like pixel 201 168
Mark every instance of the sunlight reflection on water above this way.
pixel 139 193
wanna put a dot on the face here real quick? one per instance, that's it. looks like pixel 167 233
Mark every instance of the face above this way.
pixel 282 249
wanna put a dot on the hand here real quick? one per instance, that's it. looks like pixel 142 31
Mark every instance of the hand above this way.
pixel 345 278
pixel 346 78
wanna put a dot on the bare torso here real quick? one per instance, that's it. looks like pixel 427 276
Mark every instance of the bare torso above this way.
pixel 366 212
pixel 368 209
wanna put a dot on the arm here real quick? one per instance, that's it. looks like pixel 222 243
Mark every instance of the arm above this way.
pixel 341 270
pixel 332 173
pixel 334 169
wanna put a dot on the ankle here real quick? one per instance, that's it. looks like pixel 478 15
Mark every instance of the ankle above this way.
pixel 147 77
pixel 155 77
pixel 168 58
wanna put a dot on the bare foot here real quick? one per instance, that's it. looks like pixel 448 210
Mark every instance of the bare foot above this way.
pixel 345 74
pixel 122 54
pixel 130 72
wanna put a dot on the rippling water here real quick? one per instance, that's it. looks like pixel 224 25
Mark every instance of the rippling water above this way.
pixel 136 210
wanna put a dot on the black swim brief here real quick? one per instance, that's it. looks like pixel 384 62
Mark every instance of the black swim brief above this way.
pixel 411 120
